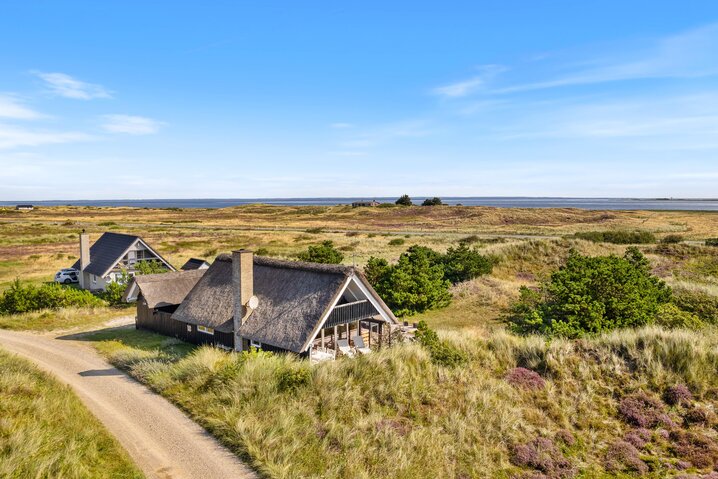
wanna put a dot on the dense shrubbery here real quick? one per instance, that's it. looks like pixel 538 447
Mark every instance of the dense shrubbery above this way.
pixel 712 242
pixel 322 253
pixel 590 295
pixel 413 285
pixel 21 298
pixel 442 352
pixel 673 239
pixel 404 200
pixel 150 267
pixel 435 201
pixel 617 237
pixel 421 279
pixel 700 303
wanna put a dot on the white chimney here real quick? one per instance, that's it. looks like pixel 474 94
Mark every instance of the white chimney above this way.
pixel 84 256
pixel 242 288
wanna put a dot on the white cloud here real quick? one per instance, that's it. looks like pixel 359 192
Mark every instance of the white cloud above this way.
pixel 466 87
pixel 131 125
pixel 13 137
pixel 66 86
pixel 10 107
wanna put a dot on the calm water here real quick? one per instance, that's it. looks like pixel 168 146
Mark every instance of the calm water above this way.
pixel 505 202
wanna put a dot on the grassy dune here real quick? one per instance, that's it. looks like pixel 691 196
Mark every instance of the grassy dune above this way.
pixel 64 319
pixel 396 414
pixel 45 432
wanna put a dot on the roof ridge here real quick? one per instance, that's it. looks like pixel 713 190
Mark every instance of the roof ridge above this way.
pixel 290 264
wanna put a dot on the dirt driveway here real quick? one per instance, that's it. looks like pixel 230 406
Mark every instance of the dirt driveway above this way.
pixel 161 439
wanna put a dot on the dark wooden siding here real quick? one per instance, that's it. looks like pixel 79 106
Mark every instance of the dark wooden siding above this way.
pixel 160 321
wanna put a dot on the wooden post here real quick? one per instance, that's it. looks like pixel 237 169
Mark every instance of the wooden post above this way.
pixel 336 346
pixel 348 337
pixel 322 339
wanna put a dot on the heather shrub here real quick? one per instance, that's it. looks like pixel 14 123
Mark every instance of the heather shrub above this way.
pixel 642 410
pixel 622 456
pixel 525 379
pixel 396 242
pixel 692 446
pixel 700 416
pixel 712 242
pixel 543 455
pixel 638 438
pixel 678 394
pixel 565 436
pixel 673 239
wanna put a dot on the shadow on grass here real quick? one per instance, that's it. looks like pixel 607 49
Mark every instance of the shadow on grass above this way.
pixel 130 338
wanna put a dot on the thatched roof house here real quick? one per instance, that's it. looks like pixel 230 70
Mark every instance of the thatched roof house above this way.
pixel 160 290
pixel 281 305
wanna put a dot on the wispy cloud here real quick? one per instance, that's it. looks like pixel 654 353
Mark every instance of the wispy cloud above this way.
pixel 470 85
pixel 690 54
pixel 14 137
pixel 11 107
pixel 131 125
pixel 66 86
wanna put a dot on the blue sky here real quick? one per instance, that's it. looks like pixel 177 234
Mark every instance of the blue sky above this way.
pixel 107 100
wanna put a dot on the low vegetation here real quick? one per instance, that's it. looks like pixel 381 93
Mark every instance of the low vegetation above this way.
pixel 513 407
pixel 45 432
pixel 617 237
pixel 435 201
pixel 322 253
pixel 63 319
pixel 23 298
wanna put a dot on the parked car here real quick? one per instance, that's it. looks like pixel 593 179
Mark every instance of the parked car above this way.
pixel 67 276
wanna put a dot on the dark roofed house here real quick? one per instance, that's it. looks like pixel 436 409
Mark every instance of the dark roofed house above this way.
pixel 358 204
pixel 24 207
pixel 110 256
pixel 277 305
pixel 194 263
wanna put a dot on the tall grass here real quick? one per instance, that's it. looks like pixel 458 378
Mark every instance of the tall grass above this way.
pixel 397 414
pixel 45 432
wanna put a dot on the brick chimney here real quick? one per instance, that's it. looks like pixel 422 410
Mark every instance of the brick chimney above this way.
pixel 242 288
pixel 84 255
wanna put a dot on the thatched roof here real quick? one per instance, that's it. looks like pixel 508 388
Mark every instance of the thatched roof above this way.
pixel 163 289
pixel 293 297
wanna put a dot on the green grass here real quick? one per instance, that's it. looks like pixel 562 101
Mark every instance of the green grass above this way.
pixel 63 319
pixel 45 432
pixel 396 414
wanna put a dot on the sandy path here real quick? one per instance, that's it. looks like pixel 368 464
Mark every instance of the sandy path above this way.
pixel 161 439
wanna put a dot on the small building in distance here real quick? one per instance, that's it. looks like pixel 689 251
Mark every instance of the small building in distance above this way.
pixel 25 207
pixel 194 263
pixel 359 204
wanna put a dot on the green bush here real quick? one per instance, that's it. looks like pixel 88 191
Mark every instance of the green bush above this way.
pixel 617 237
pixel 672 317
pixel 323 253
pixel 291 379
pixel 590 295
pixel 673 239
pixel 404 200
pixel 435 201
pixel 397 242
pixel 442 352
pixel 712 242
pixel 21 298
pixel 700 303
pixel 413 285
pixel 463 263
pixel 150 267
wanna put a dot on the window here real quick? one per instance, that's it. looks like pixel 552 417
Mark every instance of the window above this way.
pixel 94 278
pixel 205 330
pixel 255 344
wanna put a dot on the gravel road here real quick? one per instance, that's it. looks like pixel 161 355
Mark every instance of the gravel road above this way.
pixel 161 439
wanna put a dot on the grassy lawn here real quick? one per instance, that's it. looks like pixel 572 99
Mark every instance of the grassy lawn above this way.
pixel 397 414
pixel 62 320
pixel 45 432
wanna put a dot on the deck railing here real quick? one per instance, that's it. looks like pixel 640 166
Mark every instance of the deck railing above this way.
pixel 351 312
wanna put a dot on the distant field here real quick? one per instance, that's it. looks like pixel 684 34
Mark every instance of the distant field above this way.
pixel 529 242
pixel 45 432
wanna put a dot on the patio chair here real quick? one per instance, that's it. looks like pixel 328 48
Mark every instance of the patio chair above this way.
pixel 360 346
pixel 343 345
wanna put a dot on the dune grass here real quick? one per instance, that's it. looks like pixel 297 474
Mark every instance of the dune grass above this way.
pixel 65 319
pixel 397 414
pixel 45 432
